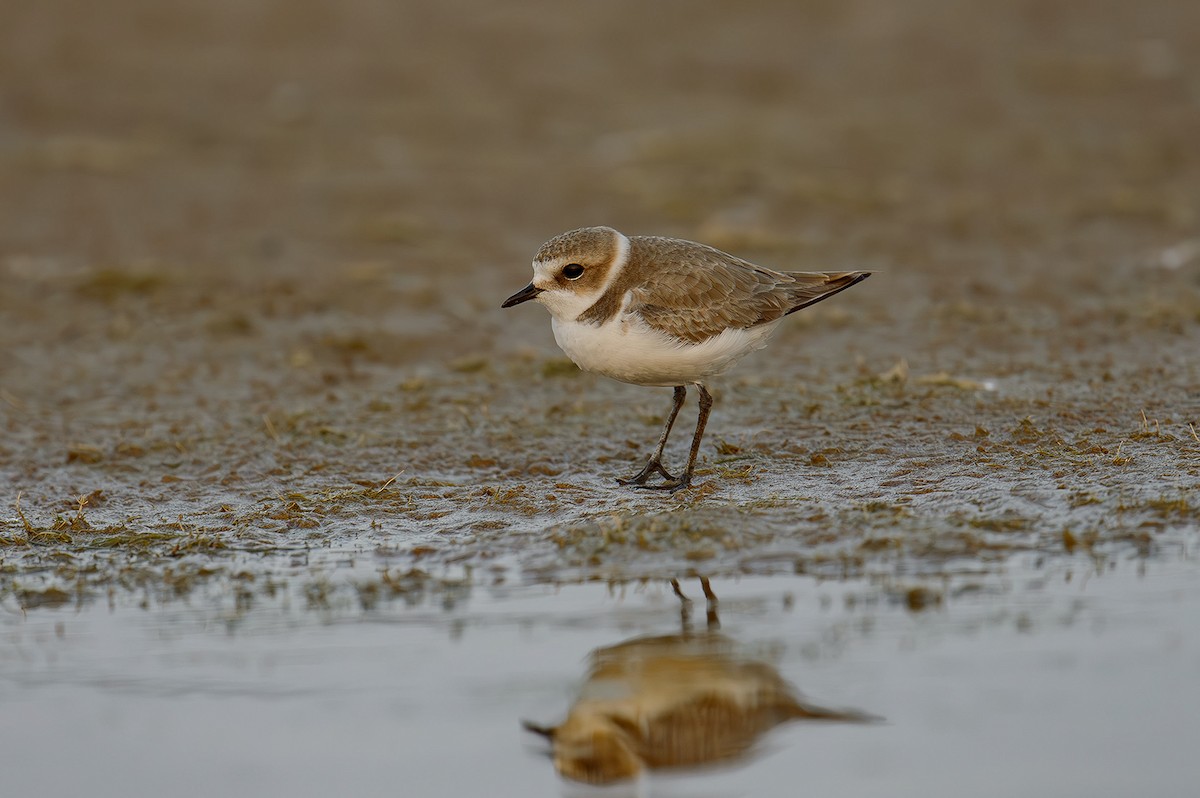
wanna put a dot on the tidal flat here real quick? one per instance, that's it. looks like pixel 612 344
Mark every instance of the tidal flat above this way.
pixel 289 505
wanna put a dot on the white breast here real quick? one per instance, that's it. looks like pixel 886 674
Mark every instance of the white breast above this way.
pixel 626 349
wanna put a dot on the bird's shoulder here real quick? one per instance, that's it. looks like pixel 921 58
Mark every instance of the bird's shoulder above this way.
pixel 694 292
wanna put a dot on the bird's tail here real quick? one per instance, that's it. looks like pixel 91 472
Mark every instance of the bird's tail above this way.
pixel 811 287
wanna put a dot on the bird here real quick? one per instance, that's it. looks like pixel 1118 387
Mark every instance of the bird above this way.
pixel 665 312
pixel 673 701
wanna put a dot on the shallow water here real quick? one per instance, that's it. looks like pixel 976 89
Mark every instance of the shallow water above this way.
pixel 1045 679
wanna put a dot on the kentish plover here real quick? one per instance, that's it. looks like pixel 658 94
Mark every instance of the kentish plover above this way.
pixel 666 312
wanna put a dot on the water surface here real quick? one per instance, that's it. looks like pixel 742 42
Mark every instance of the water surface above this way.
pixel 1051 680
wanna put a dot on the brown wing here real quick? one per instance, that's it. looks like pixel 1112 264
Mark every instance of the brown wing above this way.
pixel 694 292
pixel 710 728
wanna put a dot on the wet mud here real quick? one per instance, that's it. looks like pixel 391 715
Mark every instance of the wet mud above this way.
pixel 251 289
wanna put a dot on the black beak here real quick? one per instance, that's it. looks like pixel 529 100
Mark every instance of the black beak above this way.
pixel 524 295
pixel 537 728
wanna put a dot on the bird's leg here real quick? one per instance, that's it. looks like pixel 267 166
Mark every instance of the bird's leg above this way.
pixel 655 466
pixel 685 608
pixel 714 620
pixel 706 403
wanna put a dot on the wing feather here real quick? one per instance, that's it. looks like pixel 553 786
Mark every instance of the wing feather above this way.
pixel 693 292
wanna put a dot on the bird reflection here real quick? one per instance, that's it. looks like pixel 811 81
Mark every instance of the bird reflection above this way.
pixel 672 701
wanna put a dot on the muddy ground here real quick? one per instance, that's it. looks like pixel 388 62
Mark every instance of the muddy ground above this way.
pixel 252 256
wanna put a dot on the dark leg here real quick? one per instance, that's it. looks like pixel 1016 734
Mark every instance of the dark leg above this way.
pixel 685 607
pixel 655 466
pixel 706 403
pixel 714 621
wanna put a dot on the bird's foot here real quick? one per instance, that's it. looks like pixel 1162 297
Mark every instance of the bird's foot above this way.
pixel 653 467
pixel 671 484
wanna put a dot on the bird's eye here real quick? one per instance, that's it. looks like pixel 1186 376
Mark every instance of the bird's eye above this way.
pixel 572 271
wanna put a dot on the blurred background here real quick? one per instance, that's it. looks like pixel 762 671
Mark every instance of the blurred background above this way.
pixel 427 148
